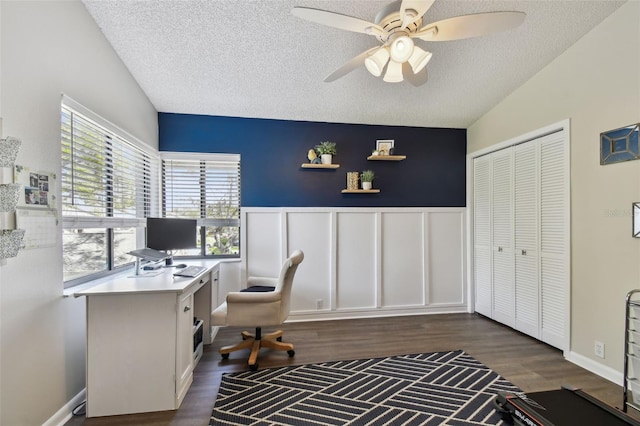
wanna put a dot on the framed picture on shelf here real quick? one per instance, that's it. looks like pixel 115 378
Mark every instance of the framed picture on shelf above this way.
pixel 384 146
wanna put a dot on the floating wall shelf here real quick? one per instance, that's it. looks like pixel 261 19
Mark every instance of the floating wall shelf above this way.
pixel 387 157
pixel 360 191
pixel 319 166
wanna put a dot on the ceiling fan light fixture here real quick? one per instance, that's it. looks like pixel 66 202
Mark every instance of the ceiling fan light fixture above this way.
pixel 394 72
pixel 401 48
pixel 376 61
pixel 419 59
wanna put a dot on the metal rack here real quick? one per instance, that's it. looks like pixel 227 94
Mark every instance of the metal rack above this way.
pixel 629 328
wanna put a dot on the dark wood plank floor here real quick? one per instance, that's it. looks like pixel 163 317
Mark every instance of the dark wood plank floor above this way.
pixel 526 362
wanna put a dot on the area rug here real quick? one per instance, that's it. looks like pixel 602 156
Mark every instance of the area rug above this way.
pixel 440 388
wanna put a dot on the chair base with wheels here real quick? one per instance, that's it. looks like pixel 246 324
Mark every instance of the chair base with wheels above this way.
pixel 256 342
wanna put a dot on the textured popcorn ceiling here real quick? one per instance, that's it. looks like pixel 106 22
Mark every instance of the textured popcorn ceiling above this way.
pixel 255 59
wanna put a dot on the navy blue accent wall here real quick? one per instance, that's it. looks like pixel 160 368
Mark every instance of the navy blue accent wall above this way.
pixel 272 151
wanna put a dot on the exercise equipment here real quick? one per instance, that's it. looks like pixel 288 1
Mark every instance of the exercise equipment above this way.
pixel 563 407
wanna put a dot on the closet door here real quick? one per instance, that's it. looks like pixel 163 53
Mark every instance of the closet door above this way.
pixel 527 286
pixel 502 237
pixel 482 235
pixel 554 232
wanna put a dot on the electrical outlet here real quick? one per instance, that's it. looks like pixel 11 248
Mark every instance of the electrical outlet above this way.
pixel 598 349
pixel 318 303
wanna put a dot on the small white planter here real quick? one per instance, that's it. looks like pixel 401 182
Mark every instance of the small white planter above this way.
pixel 326 158
pixel 366 185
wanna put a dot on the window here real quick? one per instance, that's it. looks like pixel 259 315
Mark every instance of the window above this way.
pixel 109 186
pixel 111 182
pixel 205 187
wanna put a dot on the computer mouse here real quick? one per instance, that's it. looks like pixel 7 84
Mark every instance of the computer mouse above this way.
pixel 181 265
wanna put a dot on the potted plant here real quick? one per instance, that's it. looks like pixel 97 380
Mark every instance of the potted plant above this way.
pixel 326 150
pixel 367 177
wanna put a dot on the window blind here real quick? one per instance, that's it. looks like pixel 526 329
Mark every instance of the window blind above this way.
pixel 105 180
pixel 205 187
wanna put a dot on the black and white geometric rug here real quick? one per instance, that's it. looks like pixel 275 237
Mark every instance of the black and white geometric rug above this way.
pixel 440 388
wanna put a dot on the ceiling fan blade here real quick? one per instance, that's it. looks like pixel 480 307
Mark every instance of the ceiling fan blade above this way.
pixel 467 26
pixel 351 65
pixel 337 20
pixel 417 79
pixel 420 6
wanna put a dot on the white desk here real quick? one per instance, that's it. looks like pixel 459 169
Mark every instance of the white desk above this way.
pixel 140 351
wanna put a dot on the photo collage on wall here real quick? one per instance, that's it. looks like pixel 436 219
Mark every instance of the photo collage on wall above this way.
pixel 36 210
pixel 37 193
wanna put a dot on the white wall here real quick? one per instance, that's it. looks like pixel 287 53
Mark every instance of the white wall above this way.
pixel 595 84
pixel 362 262
pixel 50 48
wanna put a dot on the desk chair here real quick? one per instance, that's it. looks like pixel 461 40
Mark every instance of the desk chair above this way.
pixel 265 302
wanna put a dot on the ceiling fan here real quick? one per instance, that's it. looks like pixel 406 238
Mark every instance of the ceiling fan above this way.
pixel 396 26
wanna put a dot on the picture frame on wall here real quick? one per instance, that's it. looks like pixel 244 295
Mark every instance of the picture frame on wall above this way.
pixel 636 220
pixel 384 146
pixel 620 144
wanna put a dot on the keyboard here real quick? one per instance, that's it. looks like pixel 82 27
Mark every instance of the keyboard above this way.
pixel 189 271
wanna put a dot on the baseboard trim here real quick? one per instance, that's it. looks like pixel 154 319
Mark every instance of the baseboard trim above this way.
pixel 327 314
pixel 66 412
pixel 595 367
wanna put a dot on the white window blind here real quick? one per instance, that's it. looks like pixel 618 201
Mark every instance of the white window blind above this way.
pixel 106 180
pixel 205 187
pixel 109 186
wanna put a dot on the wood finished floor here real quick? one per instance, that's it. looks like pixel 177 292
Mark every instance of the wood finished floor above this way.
pixel 526 362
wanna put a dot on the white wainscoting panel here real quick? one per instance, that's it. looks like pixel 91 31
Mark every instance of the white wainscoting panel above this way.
pixel 230 279
pixel 446 258
pixel 356 261
pixel 403 259
pixel 361 262
pixel 264 249
pixel 311 233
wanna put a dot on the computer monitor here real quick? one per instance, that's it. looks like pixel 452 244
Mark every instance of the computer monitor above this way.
pixel 167 234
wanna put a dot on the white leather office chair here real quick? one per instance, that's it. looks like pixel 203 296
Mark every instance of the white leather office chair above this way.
pixel 265 302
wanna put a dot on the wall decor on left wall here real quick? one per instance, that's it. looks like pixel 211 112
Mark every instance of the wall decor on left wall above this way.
pixel 36 211
pixel 10 237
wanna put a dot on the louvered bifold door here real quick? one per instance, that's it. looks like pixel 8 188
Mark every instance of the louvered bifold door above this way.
pixel 527 288
pixel 482 234
pixel 554 228
pixel 502 237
